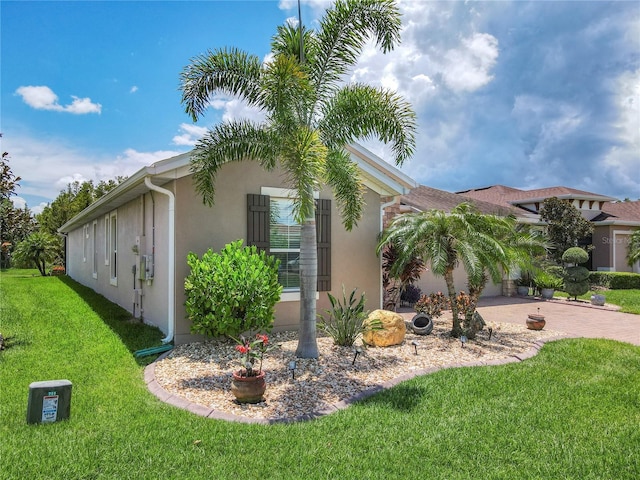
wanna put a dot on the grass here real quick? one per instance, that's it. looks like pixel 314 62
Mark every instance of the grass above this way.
pixel 627 300
pixel 570 412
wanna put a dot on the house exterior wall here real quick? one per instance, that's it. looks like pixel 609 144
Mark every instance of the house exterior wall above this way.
pixel 429 283
pixel 142 229
pixel 611 246
pixel 200 227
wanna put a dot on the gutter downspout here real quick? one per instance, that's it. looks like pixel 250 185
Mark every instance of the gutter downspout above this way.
pixel 171 258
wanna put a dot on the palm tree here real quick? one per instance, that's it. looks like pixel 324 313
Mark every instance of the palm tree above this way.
pixel 633 254
pixel 37 250
pixel 485 245
pixel 310 116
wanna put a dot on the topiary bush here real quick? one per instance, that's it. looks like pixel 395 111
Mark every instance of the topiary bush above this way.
pixel 575 255
pixel 232 292
pixel 576 278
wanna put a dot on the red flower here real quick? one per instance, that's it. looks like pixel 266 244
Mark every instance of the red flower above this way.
pixel 264 338
pixel 243 348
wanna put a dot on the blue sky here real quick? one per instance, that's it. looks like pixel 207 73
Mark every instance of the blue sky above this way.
pixel 525 94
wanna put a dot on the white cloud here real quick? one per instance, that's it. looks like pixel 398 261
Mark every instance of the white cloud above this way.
pixel 18 202
pixel 234 109
pixel 133 89
pixel 467 68
pixel 190 134
pixel 48 165
pixel 43 98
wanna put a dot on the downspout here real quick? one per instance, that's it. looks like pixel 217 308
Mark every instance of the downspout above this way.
pixel 171 258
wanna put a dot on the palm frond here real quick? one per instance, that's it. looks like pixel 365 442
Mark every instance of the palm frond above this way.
pixel 360 111
pixel 231 142
pixel 344 31
pixel 343 176
pixel 230 71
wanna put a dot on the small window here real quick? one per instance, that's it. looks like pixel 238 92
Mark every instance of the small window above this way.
pixel 85 242
pixel 113 247
pixel 106 239
pixel 94 252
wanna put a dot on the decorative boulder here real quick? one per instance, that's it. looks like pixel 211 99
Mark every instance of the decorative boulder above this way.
pixel 391 330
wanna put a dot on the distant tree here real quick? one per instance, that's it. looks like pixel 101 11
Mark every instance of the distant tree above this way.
pixel 565 226
pixel 633 254
pixel 15 223
pixel 37 250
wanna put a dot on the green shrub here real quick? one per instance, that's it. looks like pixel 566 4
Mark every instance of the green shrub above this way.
pixel 546 280
pixel 615 280
pixel 232 292
pixel 575 255
pixel 345 319
pixel 576 281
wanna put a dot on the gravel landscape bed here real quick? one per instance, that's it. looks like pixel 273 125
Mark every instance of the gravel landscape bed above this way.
pixel 201 372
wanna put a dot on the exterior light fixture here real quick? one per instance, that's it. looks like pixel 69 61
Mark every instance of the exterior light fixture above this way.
pixel 292 367
pixel 415 346
pixel 463 340
pixel 358 352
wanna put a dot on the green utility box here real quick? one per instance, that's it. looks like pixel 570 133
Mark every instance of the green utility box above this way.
pixel 49 401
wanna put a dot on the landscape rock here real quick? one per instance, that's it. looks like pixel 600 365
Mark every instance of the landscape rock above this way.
pixel 392 332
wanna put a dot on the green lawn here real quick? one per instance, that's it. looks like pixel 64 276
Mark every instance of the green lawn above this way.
pixel 627 300
pixel 571 412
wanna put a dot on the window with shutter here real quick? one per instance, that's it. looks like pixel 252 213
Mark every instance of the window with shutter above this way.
pixel 270 227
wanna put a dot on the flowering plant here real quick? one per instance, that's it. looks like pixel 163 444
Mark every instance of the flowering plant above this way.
pixel 250 352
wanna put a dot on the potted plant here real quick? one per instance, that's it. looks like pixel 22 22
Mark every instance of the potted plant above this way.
pixel 248 384
pixel 427 307
pixel 522 285
pixel 547 284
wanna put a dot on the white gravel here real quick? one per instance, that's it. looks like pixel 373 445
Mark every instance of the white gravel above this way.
pixel 201 372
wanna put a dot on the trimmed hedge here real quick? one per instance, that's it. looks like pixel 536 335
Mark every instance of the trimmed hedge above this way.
pixel 615 280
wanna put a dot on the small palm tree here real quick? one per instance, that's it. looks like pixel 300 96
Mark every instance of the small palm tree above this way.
pixel 310 116
pixel 37 250
pixel 485 245
pixel 633 254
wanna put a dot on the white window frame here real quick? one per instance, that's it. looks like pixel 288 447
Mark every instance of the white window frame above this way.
pixel 113 248
pixel 106 239
pixel 94 258
pixel 289 294
pixel 85 242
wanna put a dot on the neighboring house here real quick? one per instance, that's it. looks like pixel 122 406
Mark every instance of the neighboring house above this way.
pixel 613 221
pixel 131 245
pixel 425 198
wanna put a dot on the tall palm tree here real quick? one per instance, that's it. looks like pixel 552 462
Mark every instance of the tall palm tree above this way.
pixel 310 116
pixel 485 245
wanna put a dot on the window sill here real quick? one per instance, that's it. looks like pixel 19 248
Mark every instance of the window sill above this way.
pixel 293 296
pixel 114 282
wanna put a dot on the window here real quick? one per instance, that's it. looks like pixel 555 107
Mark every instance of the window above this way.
pixel 94 252
pixel 85 242
pixel 270 227
pixel 113 247
pixel 106 239
pixel 284 241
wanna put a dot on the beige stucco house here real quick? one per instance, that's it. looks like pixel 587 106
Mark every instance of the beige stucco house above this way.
pixel 131 245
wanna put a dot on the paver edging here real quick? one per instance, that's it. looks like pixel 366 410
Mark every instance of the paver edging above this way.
pixel 181 402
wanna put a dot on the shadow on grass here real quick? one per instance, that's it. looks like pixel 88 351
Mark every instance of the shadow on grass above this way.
pixel 134 334
pixel 404 397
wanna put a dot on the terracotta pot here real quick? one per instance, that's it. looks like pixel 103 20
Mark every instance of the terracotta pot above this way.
pixel 535 322
pixel 422 324
pixel 248 389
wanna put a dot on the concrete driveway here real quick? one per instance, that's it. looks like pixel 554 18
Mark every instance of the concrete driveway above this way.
pixel 577 319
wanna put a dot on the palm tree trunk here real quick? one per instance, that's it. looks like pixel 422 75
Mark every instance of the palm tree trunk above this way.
pixel 307 345
pixel 456 331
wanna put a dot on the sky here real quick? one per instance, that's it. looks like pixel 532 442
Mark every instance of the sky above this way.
pixel 525 94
